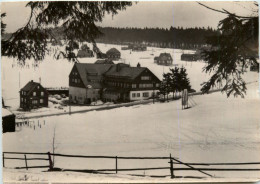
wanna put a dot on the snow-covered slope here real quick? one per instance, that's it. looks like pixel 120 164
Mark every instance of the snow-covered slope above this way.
pixel 215 129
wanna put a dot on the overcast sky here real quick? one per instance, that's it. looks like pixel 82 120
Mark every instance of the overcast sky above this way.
pixel 146 14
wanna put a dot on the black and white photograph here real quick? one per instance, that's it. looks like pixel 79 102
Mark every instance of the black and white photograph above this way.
pixel 130 91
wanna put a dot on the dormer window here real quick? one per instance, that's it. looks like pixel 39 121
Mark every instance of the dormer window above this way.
pixel 34 93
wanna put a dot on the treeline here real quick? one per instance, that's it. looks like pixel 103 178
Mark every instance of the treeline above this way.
pixel 184 38
pixel 158 37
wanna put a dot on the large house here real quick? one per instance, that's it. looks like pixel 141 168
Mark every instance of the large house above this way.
pixel 85 82
pixel 125 83
pixel 113 54
pixel 111 82
pixel 33 95
pixel 164 59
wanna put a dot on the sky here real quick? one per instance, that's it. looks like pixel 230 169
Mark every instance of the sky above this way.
pixel 146 14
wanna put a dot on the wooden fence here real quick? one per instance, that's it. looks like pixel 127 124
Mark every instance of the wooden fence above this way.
pixel 173 163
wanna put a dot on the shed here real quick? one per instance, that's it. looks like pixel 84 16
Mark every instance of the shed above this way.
pixel 8 120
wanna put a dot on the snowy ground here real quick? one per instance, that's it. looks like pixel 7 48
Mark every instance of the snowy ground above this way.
pixel 215 129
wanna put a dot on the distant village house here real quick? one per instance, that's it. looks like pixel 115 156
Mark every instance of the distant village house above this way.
pixel 164 59
pixel 113 54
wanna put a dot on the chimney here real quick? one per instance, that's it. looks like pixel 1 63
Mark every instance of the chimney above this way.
pixel 40 80
pixel 31 80
pixel 118 67
pixel 138 65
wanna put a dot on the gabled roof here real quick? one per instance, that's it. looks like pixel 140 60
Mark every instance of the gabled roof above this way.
pixel 113 50
pixel 104 61
pixel 85 53
pixel 6 112
pixel 124 71
pixel 165 56
pixel 30 86
pixel 89 71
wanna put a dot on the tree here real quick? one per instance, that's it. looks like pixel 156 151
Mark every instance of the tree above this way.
pixel 77 18
pixel 235 47
pixel 184 80
pixel 3 25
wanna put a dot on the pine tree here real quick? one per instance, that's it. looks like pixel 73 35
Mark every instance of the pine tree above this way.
pixel 236 43
pixel 77 18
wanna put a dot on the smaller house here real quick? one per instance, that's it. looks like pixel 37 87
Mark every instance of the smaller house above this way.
pixel 139 48
pixel 113 54
pixel 85 54
pixel 8 121
pixel 124 48
pixel 164 59
pixel 101 55
pixel 190 57
pixel 156 59
pixel 254 67
pixel 33 95
pixel 104 61
pixel 56 43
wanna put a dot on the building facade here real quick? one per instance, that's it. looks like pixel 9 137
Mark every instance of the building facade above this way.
pixel 85 82
pixel 113 54
pixel 164 59
pixel 33 95
pixel 117 83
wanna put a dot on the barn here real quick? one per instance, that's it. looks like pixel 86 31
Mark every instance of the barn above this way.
pixel 8 120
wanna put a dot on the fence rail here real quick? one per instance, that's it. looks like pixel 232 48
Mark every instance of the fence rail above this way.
pixel 172 161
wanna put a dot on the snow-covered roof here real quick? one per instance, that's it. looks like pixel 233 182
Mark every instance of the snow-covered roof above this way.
pixel 6 112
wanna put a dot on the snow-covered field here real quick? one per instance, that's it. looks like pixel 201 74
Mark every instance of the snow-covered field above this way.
pixel 215 129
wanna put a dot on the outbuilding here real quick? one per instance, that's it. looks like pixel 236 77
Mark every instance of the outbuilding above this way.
pixel 8 120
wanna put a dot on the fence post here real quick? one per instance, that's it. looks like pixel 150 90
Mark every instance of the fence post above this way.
pixel 50 162
pixel 116 164
pixel 25 162
pixel 3 159
pixel 171 166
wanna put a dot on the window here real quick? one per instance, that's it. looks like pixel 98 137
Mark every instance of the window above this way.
pixel 146 94
pixel 38 87
pixel 22 92
pixel 133 95
pixel 145 85
pixel 21 99
pixel 34 93
pixel 145 78
pixel 34 102
pixel 138 94
pixel 133 85
pixel 41 101
pixel 157 85
pixel 42 93
pixel 25 100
